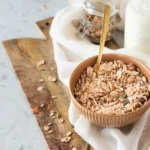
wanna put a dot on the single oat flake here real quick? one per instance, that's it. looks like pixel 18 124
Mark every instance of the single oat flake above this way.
pixel 50 123
pixel 117 88
pixel 52 68
pixel 46 128
pixel 68 133
pixel 61 120
pixel 50 131
pixel 41 62
pixel 65 139
pixel 51 78
pixel 51 114
pixel 42 105
pixel 40 88
pixel 41 80
pixel 53 97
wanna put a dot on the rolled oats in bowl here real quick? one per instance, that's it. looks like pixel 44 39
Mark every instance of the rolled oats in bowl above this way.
pixel 117 88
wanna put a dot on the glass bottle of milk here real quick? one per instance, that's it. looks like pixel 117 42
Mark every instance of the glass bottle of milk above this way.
pixel 137 26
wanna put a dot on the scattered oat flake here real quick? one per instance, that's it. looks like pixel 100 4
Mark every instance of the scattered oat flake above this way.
pixel 65 139
pixel 41 80
pixel 51 114
pixel 42 105
pixel 53 97
pixel 41 62
pixel 35 110
pixel 74 148
pixel 61 120
pixel 52 68
pixel 50 123
pixel 50 131
pixel 40 88
pixel 71 146
pixel 51 78
pixel 68 133
pixel 46 128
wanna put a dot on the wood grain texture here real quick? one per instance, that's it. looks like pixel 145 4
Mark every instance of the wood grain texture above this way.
pixel 24 54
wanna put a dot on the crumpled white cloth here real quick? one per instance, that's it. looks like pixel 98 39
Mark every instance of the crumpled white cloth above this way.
pixel 69 51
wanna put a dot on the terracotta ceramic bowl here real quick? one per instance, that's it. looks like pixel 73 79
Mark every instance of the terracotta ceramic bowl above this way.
pixel 105 120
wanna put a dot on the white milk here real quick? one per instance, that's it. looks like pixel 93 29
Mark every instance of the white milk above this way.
pixel 137 26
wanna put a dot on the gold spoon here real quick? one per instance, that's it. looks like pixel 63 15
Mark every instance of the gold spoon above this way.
pixel 104 33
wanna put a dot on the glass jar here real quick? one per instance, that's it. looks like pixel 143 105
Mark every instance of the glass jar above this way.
pixel 92 19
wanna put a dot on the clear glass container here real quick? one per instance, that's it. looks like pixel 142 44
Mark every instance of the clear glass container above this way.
pixel 92 19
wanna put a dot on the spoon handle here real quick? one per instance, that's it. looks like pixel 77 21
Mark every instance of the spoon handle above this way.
pixel 104 33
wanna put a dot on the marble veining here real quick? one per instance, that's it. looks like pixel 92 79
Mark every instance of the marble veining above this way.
pixel 18 127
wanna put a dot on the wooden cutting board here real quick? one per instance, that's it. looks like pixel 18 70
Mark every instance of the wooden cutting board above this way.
pixel 24 53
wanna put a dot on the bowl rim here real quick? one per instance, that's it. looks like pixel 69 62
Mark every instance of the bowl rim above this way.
pixel 99 114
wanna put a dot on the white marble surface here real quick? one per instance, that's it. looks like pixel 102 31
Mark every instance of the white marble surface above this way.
pixel 18 127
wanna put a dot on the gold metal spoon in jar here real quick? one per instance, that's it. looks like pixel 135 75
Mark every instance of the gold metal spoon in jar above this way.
pixel 104 33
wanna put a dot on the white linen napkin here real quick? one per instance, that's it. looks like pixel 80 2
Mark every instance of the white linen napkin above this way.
pixel 69 51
